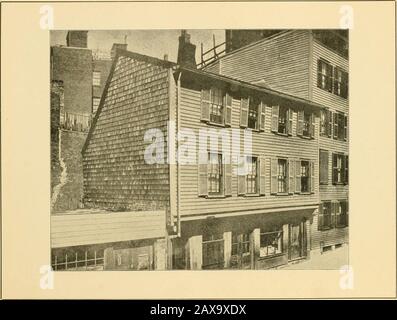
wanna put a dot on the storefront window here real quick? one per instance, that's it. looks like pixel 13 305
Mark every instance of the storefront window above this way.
pixel 271 243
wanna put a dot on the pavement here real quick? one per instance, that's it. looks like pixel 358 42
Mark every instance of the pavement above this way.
pixel 330 260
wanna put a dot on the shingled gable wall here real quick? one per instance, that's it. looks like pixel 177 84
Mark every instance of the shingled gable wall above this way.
pixel 116 175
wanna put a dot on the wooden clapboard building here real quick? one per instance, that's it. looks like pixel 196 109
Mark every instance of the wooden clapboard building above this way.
pixel 311 64
pixel 248 203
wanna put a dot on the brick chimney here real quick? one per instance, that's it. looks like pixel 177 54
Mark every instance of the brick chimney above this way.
pixel 76 38
pixel 186 51
pixel 115 47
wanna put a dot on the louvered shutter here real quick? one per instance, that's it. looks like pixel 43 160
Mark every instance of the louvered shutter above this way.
pixel 345 84
pixel 323 167
pixel 244 105
pixel 334 205
pixel 241 176
pixel 334 168
pixel 345 129
pixel 291 176
pixel 299 127
pixel 273 173
pixel 312 125
pixel 205 104
pixel 347 212
pixel 312 177
pixel 228 106
pixel 329 123
pixel 262 175
pixel 290 120
pixel 319 74
pixel 261 116
pixel 346 169
pixel 203 174
pixel 331 78
pixel 275 113
pixel 297 176
pixel 320 222
pixel 227 169
pixel 336 125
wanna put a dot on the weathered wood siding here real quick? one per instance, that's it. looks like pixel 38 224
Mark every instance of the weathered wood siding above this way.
pixel 334 103
pixel 95 228
pixel 116 174
pixel 263 143
pixel 282 61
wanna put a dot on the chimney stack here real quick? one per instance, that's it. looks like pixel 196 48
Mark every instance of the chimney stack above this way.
pixel 76 38
pixel 186 51
pixel 117 46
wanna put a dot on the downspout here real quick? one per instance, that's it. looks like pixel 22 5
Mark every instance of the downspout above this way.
pixel 177 158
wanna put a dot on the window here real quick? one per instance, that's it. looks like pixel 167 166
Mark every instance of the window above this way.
pixel 282 176
pixel 271 243
pixel 213 245
pixel 306 124
pixel 305 176
pixel 323 167
pixel 96 78
pixel 325 123
pixel 216 108
pixel 252 175
pixel 253 115
pixel 340 126
pixel 240 243
pixel 340 168
pixel 95 104
pixel 215 174
pixel 342 214
pixel 283 120
pixel 341 83
pixel 325 216
pixel 324 75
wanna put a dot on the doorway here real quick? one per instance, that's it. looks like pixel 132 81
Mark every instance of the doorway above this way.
pixel 297 241
pixel 241 254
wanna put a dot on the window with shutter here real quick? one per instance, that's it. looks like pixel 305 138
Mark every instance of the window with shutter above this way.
pixel 345 128
pixel 203 174
pixel 215 174
pixel 346 176
pixel 325 215
pixel 324 75
pixel 244 105
pixel 323 167
pixel 262 116
pixel 252 175
pixel 262 175
pixel 283 120
pixel 282 177
pixel 228 105
pixel 227 165
pixel 275 112
pixel 205 104
pixel 320 218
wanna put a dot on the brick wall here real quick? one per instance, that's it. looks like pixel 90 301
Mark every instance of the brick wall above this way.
pixel 116 175
pixel 73 66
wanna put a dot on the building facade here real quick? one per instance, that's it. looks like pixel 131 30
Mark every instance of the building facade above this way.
pixel 312 64
pixel 247 204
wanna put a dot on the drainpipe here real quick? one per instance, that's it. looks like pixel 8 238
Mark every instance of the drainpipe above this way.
pixel 177 158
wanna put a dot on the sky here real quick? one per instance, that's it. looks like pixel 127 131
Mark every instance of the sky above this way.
pixel 154 43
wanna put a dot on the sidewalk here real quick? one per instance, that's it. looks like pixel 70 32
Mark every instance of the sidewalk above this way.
pixel 331 260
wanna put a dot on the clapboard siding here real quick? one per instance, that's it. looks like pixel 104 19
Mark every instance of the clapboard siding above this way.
pixel 323 97
pixel 96 228
pixel 328 237
pixel 281 61
pixel 263 143
pixel 115 172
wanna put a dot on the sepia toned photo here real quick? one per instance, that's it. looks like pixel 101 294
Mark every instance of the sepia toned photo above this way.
pixel 199 149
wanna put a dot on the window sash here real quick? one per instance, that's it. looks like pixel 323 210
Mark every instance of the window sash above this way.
pixel 215 173
pixel 282 175
pixel 282 120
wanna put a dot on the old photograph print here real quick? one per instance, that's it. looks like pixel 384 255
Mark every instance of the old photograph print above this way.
pixel 199 149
